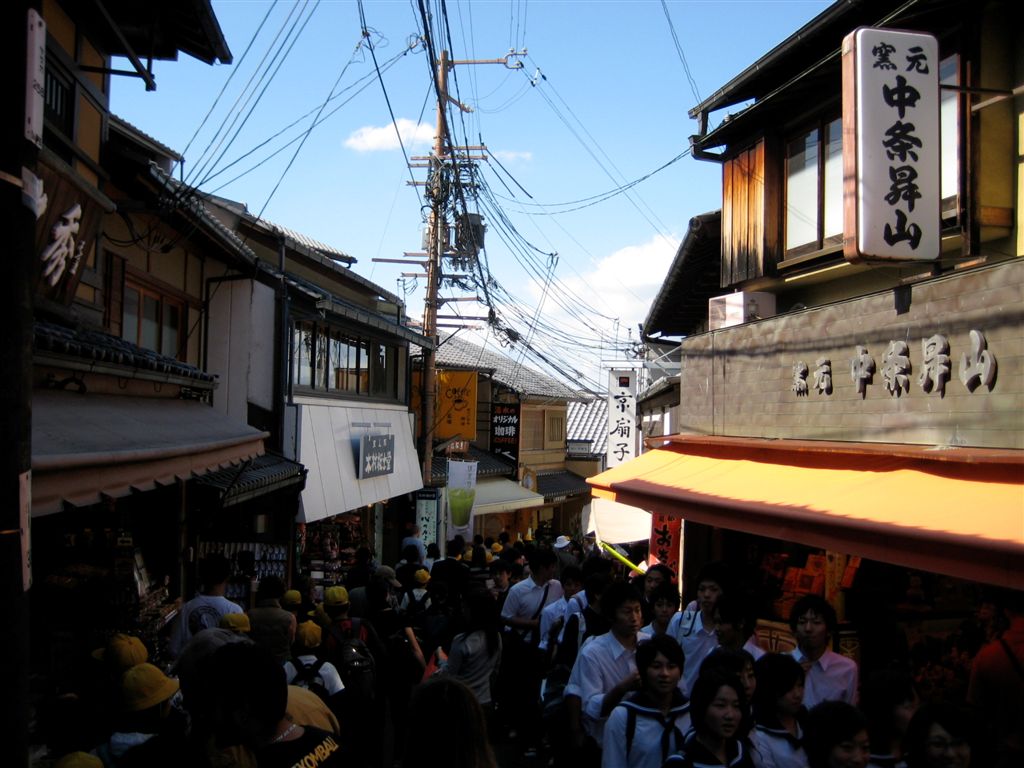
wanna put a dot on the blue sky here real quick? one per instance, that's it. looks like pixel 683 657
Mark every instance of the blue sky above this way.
pixel 601 100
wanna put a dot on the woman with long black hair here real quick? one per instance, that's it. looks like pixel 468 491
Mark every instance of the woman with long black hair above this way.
pixel 777 737
pixel 717 709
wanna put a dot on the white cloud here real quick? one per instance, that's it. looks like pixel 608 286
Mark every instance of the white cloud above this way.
pixel 508 156
pixel 371 138
pixel 624 284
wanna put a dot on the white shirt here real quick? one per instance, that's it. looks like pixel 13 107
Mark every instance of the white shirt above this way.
pixel 524 599
pixel 552 614
pixel 603 662
pixel 833 677
pixel 776 748
pixel 328 673
pixel 753 648
pixel 574 607
pixel 688 628
pixel 645 749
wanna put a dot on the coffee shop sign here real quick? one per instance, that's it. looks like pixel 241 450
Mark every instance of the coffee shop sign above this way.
pixel 977 367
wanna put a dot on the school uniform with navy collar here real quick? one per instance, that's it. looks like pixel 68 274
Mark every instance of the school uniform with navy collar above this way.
pixel 773 746
pixel 638 735
pixel 696 755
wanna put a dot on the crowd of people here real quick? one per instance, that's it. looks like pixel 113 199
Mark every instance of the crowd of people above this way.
pixel 546 649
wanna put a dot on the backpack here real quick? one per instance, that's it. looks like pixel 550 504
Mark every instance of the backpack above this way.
pixel 354 661
pixel 308 676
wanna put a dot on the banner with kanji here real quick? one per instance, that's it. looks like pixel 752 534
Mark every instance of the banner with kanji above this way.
pixel 666 535
pixel 623 435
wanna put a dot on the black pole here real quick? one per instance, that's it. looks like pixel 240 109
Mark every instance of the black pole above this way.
pixel 16 393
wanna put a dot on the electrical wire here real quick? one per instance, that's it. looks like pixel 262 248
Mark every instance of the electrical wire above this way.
pixel 679 51
pixel 313 125
pixel 205 157
pixel 387 98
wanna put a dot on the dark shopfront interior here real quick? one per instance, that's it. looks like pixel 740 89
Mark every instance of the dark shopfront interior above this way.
pixel 121 565
pixel 890 615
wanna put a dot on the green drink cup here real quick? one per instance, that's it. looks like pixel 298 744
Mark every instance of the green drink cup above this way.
pixel 460 502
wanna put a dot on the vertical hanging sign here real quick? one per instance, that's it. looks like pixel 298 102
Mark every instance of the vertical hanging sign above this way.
pixel 505 429
pixel 666 531
pixel 891 150
pixel 623 435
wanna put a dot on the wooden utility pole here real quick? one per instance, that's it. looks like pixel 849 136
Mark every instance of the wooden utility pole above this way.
pixel 437 238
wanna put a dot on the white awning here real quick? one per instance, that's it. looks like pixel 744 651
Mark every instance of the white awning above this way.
pixel 496 494
pixel 85 447
pixel 616 523
pixel 329 447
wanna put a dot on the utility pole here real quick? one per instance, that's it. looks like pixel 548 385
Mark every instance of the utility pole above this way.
pixel 438 190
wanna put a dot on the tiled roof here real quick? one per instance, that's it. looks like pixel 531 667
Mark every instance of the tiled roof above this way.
pixel 120 124
pixel 253 477
pixel 93 347
pixel 559 484
pixel 664 384
pixel 459 353
pixel 190 200
pixel 488 465
pixel 589 421
pixel 307 241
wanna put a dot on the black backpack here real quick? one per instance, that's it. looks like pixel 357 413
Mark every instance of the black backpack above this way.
pixel 354 661
pixel 308 676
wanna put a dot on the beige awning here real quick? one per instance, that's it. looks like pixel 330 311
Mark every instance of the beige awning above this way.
pixel 329 448
pixel 85 447
pixel 500 495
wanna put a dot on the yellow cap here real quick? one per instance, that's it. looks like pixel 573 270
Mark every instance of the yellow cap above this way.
pixel 144 686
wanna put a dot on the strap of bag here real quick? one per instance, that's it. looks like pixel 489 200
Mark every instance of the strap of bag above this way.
pixel 1013 657
pixel 307 672
pixel 543 601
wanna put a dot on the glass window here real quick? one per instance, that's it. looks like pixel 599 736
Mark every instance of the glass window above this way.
pixel 329 359
pixel 342 364
pixel 321 363
pixel 382 370
pixel 834 179
pixel 302 349
pixel 170 332
pixel 802 190
pixel 362 347
pixel 152 321
pixel 130 323
pixel 814 188
pixel 149 331
pixel 949 132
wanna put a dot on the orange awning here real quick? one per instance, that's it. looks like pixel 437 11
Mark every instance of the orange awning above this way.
pixel 955 511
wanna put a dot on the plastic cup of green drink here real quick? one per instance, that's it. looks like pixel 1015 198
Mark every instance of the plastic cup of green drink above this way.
pixel 460 502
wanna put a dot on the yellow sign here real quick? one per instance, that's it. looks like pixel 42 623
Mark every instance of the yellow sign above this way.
pixel 455 415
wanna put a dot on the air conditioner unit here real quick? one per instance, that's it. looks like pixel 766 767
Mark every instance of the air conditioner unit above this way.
pixel 740 307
